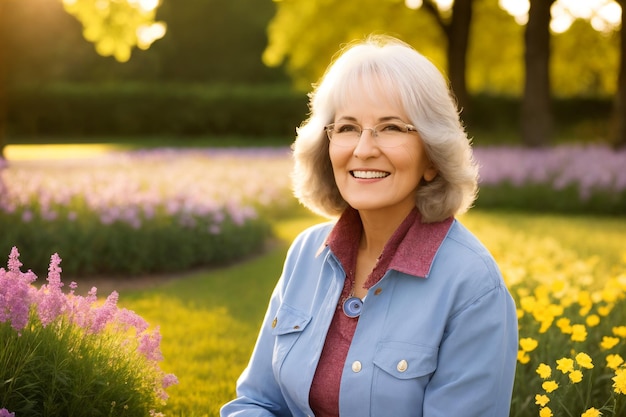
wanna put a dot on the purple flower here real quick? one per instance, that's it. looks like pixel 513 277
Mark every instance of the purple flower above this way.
pixel 104 314
pixel 52 302
pixel 5 413
pixel 149 345
pixel 16 293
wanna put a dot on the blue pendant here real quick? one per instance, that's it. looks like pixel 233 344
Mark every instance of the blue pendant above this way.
pixel 352 307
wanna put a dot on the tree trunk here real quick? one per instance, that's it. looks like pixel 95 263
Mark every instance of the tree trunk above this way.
pixel 618 116
pixel 536 109
pixel 4 62
pixel 456 30
pixel 458 43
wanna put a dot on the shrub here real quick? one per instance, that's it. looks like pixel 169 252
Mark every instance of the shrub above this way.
pixel 65 354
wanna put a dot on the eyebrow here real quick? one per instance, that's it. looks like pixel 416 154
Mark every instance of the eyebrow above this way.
pixel 380 119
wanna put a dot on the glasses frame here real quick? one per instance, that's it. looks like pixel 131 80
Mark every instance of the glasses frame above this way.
pixel 329 128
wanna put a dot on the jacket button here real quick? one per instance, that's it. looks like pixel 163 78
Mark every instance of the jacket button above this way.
pixel 274 322
pixel 356 366
pixel 378 291
pixel 402 365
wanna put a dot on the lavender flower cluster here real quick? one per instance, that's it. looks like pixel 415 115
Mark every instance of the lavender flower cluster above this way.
pixel 19 300
pixel 589 168
pixel 133 187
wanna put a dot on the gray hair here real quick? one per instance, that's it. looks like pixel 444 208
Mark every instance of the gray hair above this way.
pixel 423 92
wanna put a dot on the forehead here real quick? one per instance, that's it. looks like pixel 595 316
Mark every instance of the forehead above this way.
pixel 372 98
pixel 367 92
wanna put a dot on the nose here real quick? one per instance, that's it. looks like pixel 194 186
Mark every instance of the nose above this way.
pixel 367 146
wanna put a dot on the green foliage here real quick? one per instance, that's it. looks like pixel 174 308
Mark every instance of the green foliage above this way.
pixel 139 109
pixel 209 41
pixel 544 198
pixel 155 109
pixel 306 34
pixel 115 27
pixel 59 370
pixel 495 55
pixel 161 244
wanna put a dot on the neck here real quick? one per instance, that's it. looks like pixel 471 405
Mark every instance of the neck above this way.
pixel 377 230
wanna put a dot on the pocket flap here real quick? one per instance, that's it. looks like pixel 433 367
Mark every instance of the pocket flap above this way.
pixel 289 320
pixel 406 360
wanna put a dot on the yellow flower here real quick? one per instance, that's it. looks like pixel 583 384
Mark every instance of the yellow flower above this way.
pixel 592 320
pixel 614 361
pixel 523 357
pixel 528 303
pixel 565 365
pixel 579 333
pixel 549 386
pixel 605 310
pixel 545 412
pixel 619 381
pixel 620 331
pixel 592 412
pixel 565 325
pixel 576 376
pixel 541 400
pixel 544 371
pixel 528 344
pixel 584 360
pixel 608 342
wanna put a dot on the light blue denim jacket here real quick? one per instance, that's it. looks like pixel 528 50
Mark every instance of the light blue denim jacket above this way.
pixel 439 345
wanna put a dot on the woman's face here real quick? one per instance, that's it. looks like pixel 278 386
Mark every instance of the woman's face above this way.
pixel 374 178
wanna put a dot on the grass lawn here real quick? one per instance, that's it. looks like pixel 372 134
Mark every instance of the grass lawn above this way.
pixel 209 320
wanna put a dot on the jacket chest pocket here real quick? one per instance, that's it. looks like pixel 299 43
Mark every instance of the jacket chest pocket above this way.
pixel 401 373
pixel 287 326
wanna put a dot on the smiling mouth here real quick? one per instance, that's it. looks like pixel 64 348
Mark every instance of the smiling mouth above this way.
pixel 369 174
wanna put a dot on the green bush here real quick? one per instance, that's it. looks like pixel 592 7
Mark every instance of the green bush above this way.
pixel 544 198
pixel 155 109
pixel 160 245
pixel 69 355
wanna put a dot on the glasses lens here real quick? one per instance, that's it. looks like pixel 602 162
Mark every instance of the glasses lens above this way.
pixel 386 135
pixel 344 134
pixel 391 134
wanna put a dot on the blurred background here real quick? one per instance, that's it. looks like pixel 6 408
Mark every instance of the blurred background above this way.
pixel 533 73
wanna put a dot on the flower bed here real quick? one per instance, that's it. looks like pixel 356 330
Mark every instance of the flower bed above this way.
pixel 568 179
pixel 146 211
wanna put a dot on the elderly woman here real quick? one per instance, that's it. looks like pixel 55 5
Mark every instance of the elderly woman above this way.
pixel 394 309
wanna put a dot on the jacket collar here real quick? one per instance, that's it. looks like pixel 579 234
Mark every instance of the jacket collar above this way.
pixel 410 250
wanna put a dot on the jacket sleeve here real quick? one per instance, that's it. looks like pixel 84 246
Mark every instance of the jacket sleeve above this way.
pixel 477 359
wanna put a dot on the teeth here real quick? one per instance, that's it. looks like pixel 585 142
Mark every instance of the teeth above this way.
pixel 369 174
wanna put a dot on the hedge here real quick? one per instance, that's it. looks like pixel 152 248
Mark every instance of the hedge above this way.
pixel 136 109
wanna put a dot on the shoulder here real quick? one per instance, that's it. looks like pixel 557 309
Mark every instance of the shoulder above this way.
pixel 310 240
pixel 466 260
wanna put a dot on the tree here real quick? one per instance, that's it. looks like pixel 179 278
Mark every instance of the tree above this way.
pixel 113 26
pixel 618 116
pixel 291 37
pixel 536 110
pixel 558 15
pixel 456 27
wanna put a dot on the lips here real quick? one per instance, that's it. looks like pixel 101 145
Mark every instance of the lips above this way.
pixel 368 175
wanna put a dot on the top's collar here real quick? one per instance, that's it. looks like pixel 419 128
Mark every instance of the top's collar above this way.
pixel 411 249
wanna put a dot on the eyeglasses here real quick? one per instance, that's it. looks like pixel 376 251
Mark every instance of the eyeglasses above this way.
pixel 386 134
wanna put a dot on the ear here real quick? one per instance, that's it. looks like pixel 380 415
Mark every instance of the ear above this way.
pixel 430 173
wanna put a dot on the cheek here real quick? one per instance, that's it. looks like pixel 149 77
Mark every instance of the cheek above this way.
pixel 338 156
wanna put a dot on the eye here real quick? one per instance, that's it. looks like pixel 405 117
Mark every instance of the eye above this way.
pixel 346 128
pixel 391 127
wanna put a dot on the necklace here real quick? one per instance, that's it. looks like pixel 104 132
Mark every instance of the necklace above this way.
pixel 352 306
